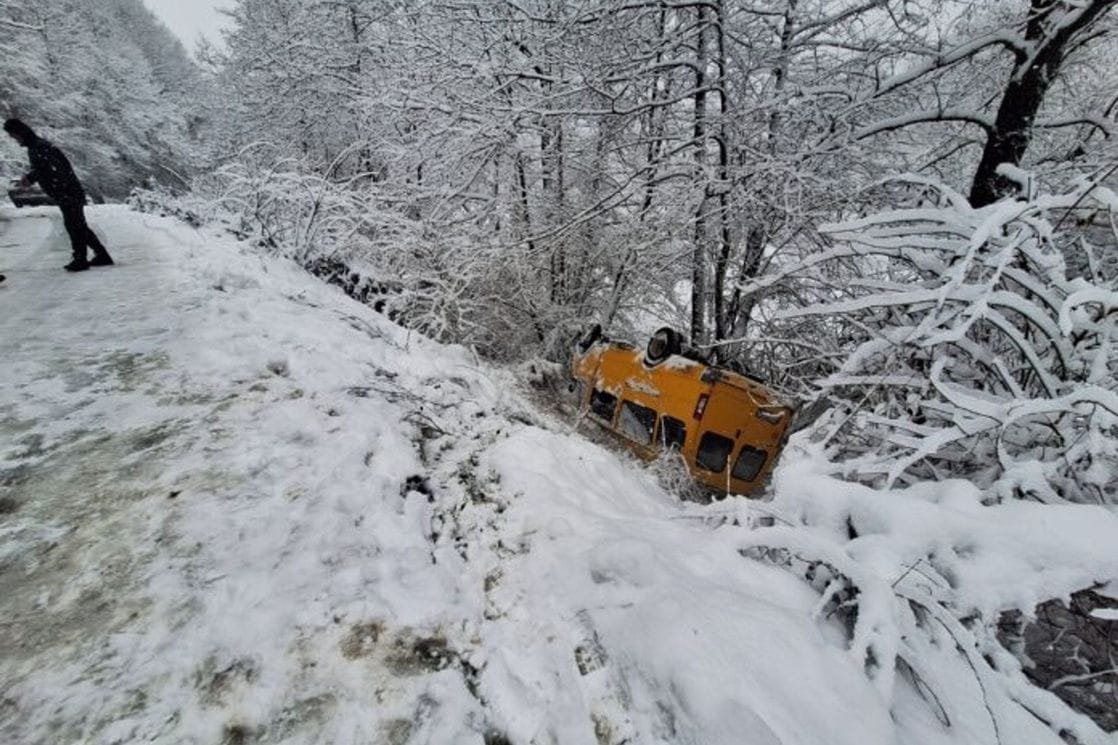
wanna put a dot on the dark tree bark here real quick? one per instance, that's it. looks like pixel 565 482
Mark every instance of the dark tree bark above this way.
pixel 1051 26
pixel 738 310
pixel 722 323
pixel 654 129
pixel 699 295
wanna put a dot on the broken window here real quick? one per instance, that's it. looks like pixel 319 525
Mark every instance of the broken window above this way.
pixel 637 422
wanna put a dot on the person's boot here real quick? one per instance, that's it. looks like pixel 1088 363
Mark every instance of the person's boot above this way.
pixel 77 265
pixel 101 259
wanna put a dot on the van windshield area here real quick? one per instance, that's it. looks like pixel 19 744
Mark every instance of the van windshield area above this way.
pixel 714 451
pixel 637 422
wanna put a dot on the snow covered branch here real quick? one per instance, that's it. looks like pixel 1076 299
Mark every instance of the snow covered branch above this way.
pixel 974 331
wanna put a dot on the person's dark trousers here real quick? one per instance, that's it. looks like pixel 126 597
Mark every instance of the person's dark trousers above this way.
pixel 81 235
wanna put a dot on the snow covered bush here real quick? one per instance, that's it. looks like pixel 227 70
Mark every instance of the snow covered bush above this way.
pixel 283 206
pixel 921 577
pixel 972 352
pixel 354 233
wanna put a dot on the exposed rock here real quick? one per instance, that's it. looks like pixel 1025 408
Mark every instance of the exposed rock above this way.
pixel 1071 652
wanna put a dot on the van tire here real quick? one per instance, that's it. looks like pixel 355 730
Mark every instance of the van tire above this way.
pixel 663 344
pixel 592 335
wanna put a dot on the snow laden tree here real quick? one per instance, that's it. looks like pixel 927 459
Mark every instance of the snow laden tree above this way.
pixel 301 74
pixel 974 352
pixel 935 87
pixel 637 164
pixel 969 95
pixel 1053 30
pixel 490 145
pixel 785 71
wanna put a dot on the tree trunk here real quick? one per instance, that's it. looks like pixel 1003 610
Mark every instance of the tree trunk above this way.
pixel 1052 24
pixel 699 254
pixel 654 127
pixel 525 207
pixel 741 309
pixel 722 322
pixel 760 227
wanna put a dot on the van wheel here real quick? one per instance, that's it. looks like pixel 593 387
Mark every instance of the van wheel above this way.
pixel 663 344
pixel 592 335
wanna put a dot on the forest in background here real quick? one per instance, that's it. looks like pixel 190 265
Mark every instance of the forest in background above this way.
pixel 107 82
pixel 899 210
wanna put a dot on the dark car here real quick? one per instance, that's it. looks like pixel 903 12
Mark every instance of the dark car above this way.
pixel 28 196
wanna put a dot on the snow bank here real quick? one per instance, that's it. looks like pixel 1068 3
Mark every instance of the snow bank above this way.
pixel 679 636
pixel 991 558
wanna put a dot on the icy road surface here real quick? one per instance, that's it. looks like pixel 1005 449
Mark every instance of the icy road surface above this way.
pixel 237 507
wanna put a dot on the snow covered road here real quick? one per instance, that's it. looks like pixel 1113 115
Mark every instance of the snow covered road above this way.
pixel 237 507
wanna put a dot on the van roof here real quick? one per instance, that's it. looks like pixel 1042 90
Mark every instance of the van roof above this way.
pixel 698 370
pixel 759 392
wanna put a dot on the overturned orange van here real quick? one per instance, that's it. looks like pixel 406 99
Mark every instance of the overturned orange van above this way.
pixel 728 428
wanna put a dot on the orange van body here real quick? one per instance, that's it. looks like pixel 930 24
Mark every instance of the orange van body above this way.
pixel 728 428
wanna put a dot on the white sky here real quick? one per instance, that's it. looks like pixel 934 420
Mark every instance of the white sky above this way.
pixel 191 19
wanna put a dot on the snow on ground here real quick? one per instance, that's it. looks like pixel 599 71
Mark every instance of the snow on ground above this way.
pixel 238 507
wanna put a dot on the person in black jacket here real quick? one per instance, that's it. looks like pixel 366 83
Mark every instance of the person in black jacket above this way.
pixel 51 169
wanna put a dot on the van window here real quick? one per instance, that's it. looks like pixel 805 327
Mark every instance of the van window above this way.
pixel 637 422
pixel 672 433
pixel 714 451
pixel 603 404
pixel 749 463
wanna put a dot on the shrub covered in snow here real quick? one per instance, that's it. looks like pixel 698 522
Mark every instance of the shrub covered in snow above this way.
pixel 973 351
pixel 923 577
pixel 350 232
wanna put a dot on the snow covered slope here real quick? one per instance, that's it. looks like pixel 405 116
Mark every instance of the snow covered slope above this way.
pixel 238 507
